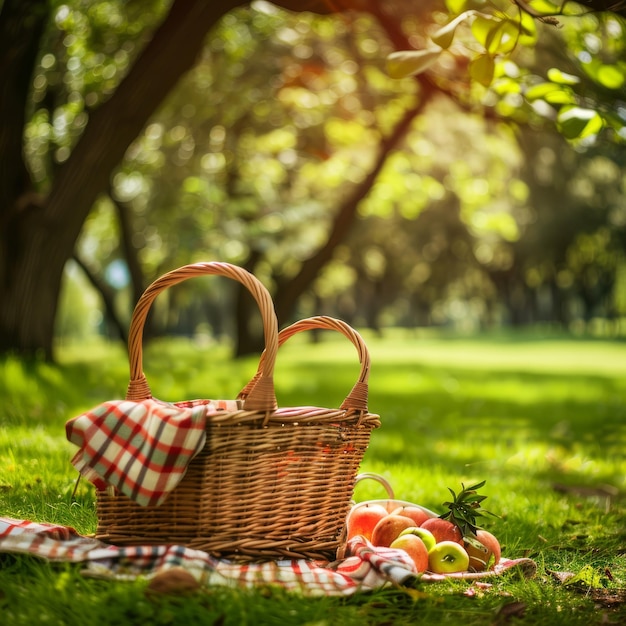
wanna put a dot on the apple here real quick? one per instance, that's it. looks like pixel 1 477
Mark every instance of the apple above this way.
pixel 448 557
pixel 483 550
pixel 443 530
pixel 424 534
pixel 415 548
pixel 389 528
pixel 491 542
pixel 418 515
pixel 363 518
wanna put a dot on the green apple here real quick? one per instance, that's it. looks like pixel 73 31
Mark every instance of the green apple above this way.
pixel 448 557
pixel 424 534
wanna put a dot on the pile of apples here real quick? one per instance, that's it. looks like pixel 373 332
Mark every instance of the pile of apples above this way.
pixel 434 544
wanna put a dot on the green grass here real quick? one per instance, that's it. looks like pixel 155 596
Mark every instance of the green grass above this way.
pixel 541 418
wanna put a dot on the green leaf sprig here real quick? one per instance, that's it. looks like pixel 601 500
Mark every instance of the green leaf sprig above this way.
pixel 465 508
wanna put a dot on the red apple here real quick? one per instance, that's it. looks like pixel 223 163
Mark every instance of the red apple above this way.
pixel 443 530
pixel 486 554
pixel 363 518
pixel 415 548
pixel 389 528
pixel 448 557
pixel 418 515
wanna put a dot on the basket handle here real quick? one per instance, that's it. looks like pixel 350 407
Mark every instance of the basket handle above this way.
pixel 263 396
pixel 356 400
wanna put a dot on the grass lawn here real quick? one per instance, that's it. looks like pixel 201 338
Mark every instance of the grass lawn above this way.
pixel 541 418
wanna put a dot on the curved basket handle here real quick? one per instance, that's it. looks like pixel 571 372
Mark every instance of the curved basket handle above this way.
pixel 379 479
pixel 357 398
pixel 263 396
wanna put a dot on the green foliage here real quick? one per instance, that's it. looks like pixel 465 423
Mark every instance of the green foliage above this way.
pixel 575 122
pixel 445 35
pixel 489 35
pixel 262 174
pixel 88 48
pixel 410 63
pixel 482 69
pixel 256 172
pixel 541 416
pixel 465 508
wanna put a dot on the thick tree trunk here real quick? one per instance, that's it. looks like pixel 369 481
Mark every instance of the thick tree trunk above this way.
pixel 22 23
pixel 39 239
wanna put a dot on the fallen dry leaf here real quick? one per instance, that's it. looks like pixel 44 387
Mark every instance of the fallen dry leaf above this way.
pixel 175 580
pixel 509 610
pixel 561 576
pixel 608 597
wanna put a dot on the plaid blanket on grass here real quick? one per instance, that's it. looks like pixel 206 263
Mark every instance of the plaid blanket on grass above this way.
pixel 364 567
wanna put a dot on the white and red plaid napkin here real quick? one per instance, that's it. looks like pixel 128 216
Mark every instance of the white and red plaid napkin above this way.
pixel 141 448
pixel 364 568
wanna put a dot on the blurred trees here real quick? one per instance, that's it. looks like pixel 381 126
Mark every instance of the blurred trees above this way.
pixel 92 89
pixel 286 147
pixel 319 140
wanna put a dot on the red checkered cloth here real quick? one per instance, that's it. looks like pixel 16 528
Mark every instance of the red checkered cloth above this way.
pixel 140 448
pixel 364 568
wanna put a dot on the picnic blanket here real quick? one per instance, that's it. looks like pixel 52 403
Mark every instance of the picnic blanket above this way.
pixel 364 567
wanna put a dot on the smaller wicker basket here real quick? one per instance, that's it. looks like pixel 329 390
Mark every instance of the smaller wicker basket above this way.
pixel 270 482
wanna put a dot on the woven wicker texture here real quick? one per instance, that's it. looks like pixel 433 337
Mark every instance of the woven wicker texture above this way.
pixel 270 482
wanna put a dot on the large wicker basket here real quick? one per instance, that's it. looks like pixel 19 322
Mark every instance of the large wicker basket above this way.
pixel 271 482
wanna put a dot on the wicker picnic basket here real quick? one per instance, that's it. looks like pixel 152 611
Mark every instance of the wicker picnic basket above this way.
pixel 270 482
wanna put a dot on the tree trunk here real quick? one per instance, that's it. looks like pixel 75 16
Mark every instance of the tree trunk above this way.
pixel 38 237
pixel 249 340
pixel 22 23
pixel 131 253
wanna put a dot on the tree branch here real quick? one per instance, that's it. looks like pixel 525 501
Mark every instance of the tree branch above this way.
pixel 171 52
pixel 617 7
pixel 107 294
pixel 124 219
pixel 287 296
